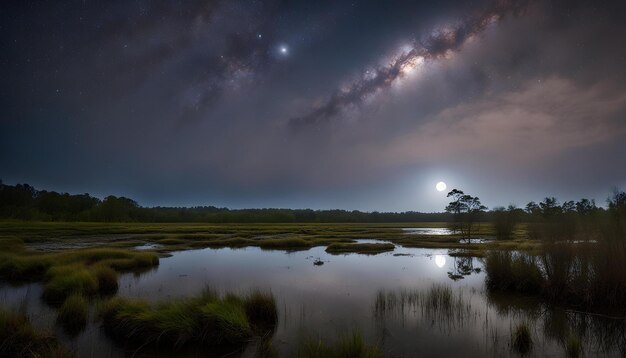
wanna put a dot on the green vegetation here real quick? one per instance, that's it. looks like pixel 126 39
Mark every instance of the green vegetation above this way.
pixel 351 346
pixel 521 339
pixel 19 339
pixel 208 319
pixel 370 248
pixel 73 314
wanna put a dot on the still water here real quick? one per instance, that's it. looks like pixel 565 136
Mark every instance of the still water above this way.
pixel 383 296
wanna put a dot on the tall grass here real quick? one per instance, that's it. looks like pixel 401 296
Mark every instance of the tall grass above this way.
pixel 582 262
pixel 348 346
pixel 437 303
pixel 18 338
pixel 208 319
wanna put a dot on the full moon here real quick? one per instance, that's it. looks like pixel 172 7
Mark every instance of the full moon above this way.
pixel 441 186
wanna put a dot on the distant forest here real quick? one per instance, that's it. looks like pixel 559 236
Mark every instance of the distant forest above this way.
pixel 24 202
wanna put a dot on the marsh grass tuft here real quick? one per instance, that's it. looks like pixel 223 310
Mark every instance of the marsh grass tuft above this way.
pixel 19 339
pixel 63 281
pixel 261 309
pixel 350 346
pixel 73 314
pixel 521 339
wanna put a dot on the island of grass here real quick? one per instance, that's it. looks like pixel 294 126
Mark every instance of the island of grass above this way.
pixel 209 319
pixel 360 248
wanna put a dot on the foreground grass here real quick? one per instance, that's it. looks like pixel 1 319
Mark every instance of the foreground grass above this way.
pixel 19 339
pixel 209 319
pixel 350 346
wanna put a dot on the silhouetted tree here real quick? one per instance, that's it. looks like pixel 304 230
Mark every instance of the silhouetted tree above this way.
pixel 465 208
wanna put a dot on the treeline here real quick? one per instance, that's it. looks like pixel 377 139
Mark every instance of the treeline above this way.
pixel 24 202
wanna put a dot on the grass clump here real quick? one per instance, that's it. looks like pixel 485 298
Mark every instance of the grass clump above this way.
pixel 19 339
pixel 208 319
pixel 521 339
pixel 64 281
pixel 573 346
pixel 351 346
pixel 107 279
pixel 17 268
pixel 73 314
pixel 261 309
pixel 374 248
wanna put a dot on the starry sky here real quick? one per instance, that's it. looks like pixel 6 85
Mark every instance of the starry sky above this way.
pixel 357 104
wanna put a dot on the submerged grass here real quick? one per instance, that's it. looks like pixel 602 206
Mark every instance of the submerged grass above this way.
pixel 18 338
pixel 349 346
pixel 209 319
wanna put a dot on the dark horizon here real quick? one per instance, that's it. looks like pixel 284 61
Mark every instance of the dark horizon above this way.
pixel 599 205
pixel 326 105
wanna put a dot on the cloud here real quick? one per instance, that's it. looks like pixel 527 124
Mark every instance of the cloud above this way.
pixel 542 120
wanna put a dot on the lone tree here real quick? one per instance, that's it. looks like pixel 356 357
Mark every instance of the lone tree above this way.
pixel 465 209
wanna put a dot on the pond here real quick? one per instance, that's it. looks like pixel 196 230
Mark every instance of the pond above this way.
pixel 387 297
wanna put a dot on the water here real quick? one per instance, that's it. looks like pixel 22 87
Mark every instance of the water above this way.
pixel 428 231
pixel 383 296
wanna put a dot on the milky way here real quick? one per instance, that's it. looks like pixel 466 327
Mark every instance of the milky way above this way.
pixel 433 46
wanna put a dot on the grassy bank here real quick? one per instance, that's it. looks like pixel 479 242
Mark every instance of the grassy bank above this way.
pixel 208 319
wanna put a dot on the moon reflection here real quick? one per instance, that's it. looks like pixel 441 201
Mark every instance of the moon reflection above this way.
pixel 440 261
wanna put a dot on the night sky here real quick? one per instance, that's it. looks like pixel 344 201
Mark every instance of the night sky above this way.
pixel 314 104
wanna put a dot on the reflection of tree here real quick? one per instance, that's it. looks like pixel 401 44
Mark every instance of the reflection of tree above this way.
pixel 463 266
pixel 575 331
